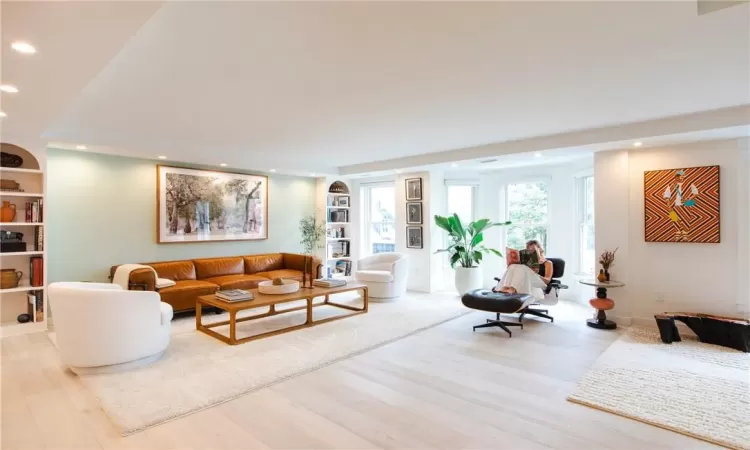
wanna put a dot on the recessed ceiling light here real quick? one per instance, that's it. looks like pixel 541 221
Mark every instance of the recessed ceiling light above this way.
pixel 23 47
pixel 537 155
pixel 162 157
pixel 223 164
pixel 454 165
pixel 8 88
pixel 637 144
pixel 312 174
pixel 2 114
pixel 398 170
pixel 80 147
pixel 272 170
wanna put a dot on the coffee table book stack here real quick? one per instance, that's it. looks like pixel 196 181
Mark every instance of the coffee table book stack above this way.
pixel 234 295
pixel 329 282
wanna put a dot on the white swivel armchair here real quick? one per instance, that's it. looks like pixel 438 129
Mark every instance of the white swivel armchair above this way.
pixel 102 327
pixel 385 274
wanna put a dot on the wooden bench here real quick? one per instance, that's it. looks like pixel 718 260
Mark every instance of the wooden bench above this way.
pixel 726 331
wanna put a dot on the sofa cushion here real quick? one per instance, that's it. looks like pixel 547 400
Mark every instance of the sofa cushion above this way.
pixel 175 270
pixel 282 273
pixel 240 281
pixel 183 294
pixel 263 263
pixel 215 267
pixel 377 276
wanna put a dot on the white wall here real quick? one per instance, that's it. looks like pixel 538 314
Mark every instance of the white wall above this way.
pixel 102 211
pixel 689 277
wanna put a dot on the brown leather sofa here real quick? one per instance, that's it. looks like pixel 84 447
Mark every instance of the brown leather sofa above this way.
pixel 196 277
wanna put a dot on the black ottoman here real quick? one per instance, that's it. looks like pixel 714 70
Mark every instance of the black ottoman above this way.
pixel 498 303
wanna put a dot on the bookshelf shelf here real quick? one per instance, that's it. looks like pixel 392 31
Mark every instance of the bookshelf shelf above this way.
pixel 22 289
pixel 19 170
pixel 22 253
pixel 339 239
pixel 343 258
pixel 21 224
pixel 20 194
pixel 339 207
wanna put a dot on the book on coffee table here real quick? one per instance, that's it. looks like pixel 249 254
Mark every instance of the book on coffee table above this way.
pixel 329 282
pixel 234 295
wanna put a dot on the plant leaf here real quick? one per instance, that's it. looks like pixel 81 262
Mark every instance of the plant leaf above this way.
pixel 444 223
pixel 477 239
pixel 454 259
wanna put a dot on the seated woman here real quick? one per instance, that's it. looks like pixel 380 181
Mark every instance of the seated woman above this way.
pixel 521 279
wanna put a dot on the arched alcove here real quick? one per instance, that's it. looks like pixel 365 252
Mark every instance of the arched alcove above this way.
pixel 338 187
pixel 29 160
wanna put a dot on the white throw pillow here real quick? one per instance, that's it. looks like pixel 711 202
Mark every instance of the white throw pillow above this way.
pixel 162 283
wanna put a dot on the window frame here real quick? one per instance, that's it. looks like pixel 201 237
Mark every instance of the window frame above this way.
pixel 365 193
pixel 580 180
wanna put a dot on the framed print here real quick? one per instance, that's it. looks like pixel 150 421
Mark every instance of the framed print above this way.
pixel 414 213
pixel 413 237
pixel 413 189
pixel 342 201
pixel 682 205
pixel 203 206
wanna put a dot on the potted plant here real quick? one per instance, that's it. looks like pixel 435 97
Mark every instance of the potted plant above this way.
pixel 467 249
pixel 312 233
pixel 607 260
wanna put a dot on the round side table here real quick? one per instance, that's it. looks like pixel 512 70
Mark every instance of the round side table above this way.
pixel 601 303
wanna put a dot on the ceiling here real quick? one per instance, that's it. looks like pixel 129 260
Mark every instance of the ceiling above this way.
pixel 336 87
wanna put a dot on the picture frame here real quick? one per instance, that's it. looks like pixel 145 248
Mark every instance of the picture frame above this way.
pixel 414 237
pixel 342 201
pixel 196 205
pixel 682 205
pixel 414 213
pixel 413 189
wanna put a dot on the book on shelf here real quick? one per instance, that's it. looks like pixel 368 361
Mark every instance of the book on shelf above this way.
pixel 338 215
pixel 234 295
pixel 339 249
pixel 343 267
pixel 34 211
pixel 36 305
pixel 336 232
pixel 329 282
pixel 36 271
pixel 526 257
pixel 38 238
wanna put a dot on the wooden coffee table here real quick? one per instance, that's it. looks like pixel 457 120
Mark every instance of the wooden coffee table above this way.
pixel 263 300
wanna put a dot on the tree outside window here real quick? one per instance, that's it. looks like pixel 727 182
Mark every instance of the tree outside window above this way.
pixel 527 211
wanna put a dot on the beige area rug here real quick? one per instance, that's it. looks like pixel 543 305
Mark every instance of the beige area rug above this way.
pixel 692 388
pixel 198 371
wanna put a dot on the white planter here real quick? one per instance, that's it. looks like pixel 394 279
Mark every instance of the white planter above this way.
pixel 468 278
pixel 267 287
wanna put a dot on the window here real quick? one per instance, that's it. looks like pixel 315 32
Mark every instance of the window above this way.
pixel 460 200
pixel 380 214
pixel 586 225
pixel 527 210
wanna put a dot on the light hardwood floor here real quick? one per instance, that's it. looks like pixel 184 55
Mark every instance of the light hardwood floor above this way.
pixel 443 388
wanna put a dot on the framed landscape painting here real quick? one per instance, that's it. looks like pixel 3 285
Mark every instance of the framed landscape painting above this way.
pixel 204 206
pixel 682 205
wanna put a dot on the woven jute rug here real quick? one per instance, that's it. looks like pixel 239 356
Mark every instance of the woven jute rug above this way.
pixel 689 387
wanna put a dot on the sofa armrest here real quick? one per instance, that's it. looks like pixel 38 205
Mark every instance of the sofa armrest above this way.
pixel 294 261
pixel 142 280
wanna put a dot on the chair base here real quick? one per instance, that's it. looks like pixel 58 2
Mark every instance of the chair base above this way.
pixel 112 368
pixel 543 313
pixel 499 323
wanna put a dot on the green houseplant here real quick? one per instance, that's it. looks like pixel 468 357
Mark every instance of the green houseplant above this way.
pixel 466 248
pixel 312 232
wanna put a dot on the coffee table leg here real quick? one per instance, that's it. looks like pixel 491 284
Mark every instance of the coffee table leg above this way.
pixel 310 310
pixel 198 315
pixel 232 327
pixel 366 298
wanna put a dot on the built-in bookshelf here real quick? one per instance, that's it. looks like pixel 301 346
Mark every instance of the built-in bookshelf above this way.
pixel 336 208
pixel 23 246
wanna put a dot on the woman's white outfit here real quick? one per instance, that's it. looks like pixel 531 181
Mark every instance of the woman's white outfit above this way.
pixel 523 280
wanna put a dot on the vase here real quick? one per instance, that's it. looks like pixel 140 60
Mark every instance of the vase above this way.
pixel 9 278
pixel 606 275
pixel 7 212
pixel 468 279
pixel 601 277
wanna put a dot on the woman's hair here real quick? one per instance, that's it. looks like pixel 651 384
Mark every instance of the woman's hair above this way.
pixel 536 243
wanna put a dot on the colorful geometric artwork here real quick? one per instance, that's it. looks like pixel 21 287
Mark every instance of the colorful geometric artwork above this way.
pixel 682 205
